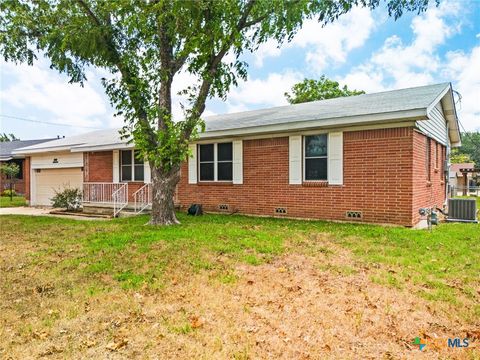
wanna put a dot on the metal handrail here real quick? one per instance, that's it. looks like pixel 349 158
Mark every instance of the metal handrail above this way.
pixel 143 198
pixel 120 199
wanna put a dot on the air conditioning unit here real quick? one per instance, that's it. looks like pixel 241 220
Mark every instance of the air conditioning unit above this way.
pixel 463 210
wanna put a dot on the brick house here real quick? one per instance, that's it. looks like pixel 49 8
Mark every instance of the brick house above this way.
pixel 21 184
pixel 373 158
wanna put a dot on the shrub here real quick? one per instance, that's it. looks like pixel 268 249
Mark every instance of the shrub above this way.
pixel 69 198
pixel 9 193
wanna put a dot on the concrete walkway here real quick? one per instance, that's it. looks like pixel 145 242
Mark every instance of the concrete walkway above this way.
pixel 37 211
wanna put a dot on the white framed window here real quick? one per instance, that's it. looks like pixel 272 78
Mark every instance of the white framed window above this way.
pixel 131 166
pixel 215 162
pixel 315 157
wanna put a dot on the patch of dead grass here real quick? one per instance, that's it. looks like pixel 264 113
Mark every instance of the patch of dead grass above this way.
pixel 289 308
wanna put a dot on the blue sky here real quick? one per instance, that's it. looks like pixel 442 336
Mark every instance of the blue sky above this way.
pixel 363 49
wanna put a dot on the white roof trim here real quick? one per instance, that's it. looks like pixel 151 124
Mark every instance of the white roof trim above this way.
pixel 41 150
pixel 116 146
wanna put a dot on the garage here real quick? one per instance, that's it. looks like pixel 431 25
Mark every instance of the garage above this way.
pixel 49 180
pixel 54 171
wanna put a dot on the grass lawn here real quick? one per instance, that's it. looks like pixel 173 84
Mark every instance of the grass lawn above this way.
pixel 221 286
pixel 15 202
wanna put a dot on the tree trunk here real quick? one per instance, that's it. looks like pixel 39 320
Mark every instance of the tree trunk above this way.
pixel 163 192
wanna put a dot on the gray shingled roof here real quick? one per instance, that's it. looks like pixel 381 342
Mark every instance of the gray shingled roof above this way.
pixel 7 147
pixel 339 111
pixel 377 103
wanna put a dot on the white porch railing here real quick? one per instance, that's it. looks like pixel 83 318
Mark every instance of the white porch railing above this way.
pixel 143 198
pixel 120 199
pixel 100 192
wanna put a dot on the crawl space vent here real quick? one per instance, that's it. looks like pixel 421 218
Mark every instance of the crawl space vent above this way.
pixel 223 207
pixel 353 214
pixel 280 210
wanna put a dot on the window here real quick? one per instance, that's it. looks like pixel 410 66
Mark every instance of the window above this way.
pixel 315 157
pixel 207 162
pixel 215 162
pixel 131 166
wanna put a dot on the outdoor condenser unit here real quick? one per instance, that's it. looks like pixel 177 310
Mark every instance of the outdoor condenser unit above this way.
pixel 464 210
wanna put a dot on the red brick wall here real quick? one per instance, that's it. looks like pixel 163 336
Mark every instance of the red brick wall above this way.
pixel 428 191
pixel 98 166
pixel 378 173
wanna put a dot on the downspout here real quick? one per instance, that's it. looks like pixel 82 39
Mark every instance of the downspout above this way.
pixel 447 165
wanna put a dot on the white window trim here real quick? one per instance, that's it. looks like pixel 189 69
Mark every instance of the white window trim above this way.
pixel 132 152
pixel 304 158
pixel 215 162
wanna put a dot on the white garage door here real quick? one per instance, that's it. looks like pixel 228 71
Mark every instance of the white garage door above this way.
pixel 49 180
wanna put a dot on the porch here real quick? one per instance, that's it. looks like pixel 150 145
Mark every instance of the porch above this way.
pixel 135 197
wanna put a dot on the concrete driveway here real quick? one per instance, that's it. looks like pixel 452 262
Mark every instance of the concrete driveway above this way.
pixel 39 211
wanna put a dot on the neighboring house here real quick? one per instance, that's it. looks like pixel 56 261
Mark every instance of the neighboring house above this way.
pixel 374 158
pixel 457 179
pixel 7 148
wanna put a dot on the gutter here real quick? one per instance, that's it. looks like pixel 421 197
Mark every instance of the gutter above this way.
pixel 26 151
pixel 116 146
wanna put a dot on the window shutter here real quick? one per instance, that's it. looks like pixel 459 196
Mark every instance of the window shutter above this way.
pixel 192 164
pixel 295 159
pixel 116 166
pixel 335 158
pixel 147 177
pixel 237 162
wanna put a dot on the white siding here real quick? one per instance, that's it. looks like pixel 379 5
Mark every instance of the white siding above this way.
pixel 57 160
pixel 436 125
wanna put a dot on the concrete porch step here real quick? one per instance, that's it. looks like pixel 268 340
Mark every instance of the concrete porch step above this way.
pixel 107 209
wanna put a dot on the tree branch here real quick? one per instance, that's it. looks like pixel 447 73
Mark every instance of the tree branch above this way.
pixel 212 68
pixel 116 59
pixel 89 12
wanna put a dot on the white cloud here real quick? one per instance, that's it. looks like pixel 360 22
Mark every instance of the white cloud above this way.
pixel 39 88
pixel 463 68
pixel 418 62
pixel 328 45
pixel 265 92
pixel 332 44
pixel 365 78
pixel 268 49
